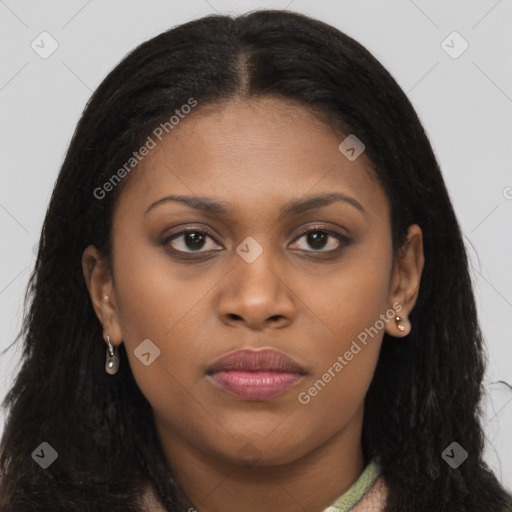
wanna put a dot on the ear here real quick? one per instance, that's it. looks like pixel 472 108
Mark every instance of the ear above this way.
pixel 98 278
pixel 405 282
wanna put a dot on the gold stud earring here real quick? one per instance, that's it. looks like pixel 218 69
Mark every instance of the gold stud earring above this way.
pixel 398 319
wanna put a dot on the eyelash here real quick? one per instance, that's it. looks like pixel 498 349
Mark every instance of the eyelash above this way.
pixel 344 241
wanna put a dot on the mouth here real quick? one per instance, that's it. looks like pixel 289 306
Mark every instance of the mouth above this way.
pixel 255 375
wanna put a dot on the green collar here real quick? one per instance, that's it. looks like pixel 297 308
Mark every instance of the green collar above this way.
pixel 359 488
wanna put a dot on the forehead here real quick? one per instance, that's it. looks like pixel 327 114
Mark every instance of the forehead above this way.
pixel 253 152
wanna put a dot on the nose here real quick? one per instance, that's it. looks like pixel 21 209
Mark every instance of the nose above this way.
pixel 257 295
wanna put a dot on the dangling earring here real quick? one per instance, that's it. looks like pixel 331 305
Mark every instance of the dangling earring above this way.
pixel 398 319
pixel 112 361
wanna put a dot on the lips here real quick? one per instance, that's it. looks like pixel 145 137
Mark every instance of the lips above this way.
pixel 255 375
pixel 251 360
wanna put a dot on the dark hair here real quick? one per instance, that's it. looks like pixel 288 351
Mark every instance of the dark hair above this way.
pixel 426 389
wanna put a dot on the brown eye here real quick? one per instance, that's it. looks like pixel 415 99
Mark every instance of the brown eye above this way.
pixel 319 239
pixel 190 241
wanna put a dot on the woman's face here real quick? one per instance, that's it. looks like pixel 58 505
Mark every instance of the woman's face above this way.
pixel 248 172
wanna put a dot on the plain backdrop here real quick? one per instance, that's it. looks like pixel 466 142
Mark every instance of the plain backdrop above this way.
pixel 460 84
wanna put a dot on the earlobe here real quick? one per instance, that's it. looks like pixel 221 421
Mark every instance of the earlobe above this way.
pixel 401 326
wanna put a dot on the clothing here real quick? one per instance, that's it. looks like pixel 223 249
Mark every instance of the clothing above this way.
pixel 367 494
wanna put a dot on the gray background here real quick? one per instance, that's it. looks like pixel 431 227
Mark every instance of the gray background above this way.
pixel 465 104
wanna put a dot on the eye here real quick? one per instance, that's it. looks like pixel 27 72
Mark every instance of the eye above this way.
pixel 195 240
pixel 190 241
pixel 322 238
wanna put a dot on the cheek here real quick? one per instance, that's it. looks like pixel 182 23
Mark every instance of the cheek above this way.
pixel 154 293
pixel 152 305
pixel 350 299
pixel 352 310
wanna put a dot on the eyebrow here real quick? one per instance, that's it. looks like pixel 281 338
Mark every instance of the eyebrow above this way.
pixel 209 205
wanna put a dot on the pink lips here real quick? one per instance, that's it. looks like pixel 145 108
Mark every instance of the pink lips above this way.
pixel 255 375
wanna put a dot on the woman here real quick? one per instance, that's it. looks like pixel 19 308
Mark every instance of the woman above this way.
pixel 251 292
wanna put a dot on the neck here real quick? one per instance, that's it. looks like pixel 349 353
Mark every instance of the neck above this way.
pixel 310 482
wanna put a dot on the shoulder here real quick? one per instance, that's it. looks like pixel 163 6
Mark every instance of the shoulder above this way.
pixel 375 499
pixel 150 501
